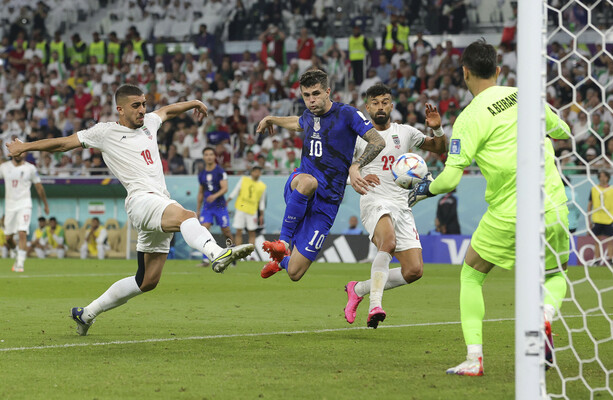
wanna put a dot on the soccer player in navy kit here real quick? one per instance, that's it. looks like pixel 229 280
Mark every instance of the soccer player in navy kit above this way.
pixel 315 190
pixel 213 185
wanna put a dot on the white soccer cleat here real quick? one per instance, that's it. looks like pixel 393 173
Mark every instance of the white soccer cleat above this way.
pixel 77 316
pixel 470 367
pixel 230 255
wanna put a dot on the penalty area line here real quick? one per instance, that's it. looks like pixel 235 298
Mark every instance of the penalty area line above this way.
pixel 257 334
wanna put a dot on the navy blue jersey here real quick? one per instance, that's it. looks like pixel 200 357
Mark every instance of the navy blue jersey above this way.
pixel 210 180
pixel 329 141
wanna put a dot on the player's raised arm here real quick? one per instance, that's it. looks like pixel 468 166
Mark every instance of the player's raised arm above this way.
pixel 376 143
pixel 172 110
pixel 268 123
pixel 16 147
pixel 438 143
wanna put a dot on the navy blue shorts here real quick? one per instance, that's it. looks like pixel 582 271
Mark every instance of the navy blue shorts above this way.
pixel 602 230
pixel 312 231
pixel 218 215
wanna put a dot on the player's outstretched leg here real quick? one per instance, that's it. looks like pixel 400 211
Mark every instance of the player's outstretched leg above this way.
pixel 353 301
pixel 230 255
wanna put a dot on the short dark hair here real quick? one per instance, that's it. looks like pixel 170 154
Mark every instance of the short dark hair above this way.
pixel 604 171
pixel 256 167
pixel 52 219
pixel 209 148
pixel 127 90
pixel 378 89
pixel 480 59
pixel 313 77
pixel 42 219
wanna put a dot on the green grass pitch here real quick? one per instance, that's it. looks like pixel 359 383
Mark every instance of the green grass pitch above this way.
pixel 202 335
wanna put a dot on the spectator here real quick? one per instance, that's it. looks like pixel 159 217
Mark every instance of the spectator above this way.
pixel 353 228
pixel 395 33
pixel 305 48
pixel 384 69
pixel 250 194
pixel 176 166
pixel 273 45
pixel 95 241
pixel 447 214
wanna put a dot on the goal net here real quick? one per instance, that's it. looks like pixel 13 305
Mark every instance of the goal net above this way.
pixel 577 51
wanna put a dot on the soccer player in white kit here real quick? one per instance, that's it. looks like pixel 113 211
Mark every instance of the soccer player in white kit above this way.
pixel 19 176
pixel 130 150
pixel 384 209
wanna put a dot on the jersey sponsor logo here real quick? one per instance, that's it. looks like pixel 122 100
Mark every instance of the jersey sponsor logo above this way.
pixel 122 138
pixel 312 251
pixel 396 141
pixel 455 146
pixel 316 124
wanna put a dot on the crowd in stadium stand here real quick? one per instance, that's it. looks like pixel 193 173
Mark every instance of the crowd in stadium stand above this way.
pixel 50 87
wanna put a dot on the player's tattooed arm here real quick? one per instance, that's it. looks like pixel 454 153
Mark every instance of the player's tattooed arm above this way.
pixel 375 144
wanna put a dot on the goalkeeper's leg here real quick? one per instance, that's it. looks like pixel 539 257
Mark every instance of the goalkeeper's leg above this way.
pixel 472 310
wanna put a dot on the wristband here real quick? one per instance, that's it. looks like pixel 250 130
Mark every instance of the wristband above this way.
pixel 438 132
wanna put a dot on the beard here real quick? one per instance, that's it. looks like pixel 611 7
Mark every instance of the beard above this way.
pixel 381 119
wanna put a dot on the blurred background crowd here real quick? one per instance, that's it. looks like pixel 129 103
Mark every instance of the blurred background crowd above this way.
pixel 61 62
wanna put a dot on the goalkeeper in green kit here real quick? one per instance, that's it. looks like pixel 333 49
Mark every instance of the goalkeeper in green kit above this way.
pixel 486 131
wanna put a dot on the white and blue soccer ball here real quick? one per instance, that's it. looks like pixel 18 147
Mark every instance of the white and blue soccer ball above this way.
pixel 408 170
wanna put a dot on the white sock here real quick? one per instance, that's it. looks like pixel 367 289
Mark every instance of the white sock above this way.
pixel 474 351
pixel 21 258
pixel 394 279
pixel 5 252
pixel 199 238
pixel 378 277
pixel 550 311
pixel 119 293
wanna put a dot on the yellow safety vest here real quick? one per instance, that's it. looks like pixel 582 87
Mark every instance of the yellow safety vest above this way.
pixel 59 232
pixel 402 35
pixel 24 44
pixel 602 200
pixel 96 49
pixel 114 48
pixel 357 51
pixel 59 47
pixel 80 56
pixel 249 196
pixel 42 46
pixel 138 48
pixel 91 244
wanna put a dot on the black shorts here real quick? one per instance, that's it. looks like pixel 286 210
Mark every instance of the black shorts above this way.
pixel 603 230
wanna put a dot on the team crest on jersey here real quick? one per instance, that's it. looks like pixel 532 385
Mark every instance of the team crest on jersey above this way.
pixel 316 124
pixel 147 132
pixel 396 141
pixel 316 135
pixel 454 148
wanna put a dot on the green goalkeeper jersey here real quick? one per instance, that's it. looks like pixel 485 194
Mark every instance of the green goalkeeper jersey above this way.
pixel 486 131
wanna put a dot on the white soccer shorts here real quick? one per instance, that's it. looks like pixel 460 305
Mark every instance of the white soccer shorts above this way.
pixel 372 208
pixel 145 213
pixel 17 221
pixel 242 220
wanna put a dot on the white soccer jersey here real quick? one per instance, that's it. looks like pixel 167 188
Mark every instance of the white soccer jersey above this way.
pixel 399 139
pixel 131 154
pixel 18 180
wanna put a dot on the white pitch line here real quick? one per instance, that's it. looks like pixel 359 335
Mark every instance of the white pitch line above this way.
pixel 242 335
pixel 22 276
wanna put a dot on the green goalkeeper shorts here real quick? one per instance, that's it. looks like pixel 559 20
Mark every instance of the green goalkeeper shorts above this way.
pixel 494 239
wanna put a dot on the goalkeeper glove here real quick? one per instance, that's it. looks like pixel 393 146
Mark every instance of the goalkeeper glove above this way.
pixel 421 190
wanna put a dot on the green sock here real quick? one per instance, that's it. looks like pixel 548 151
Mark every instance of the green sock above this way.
pixel 555 285
pixel 472 307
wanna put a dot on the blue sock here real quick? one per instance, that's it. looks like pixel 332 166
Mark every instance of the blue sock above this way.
pixel 284 262
pixel 294 214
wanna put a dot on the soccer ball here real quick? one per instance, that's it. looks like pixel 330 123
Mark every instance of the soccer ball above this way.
pixel 409 169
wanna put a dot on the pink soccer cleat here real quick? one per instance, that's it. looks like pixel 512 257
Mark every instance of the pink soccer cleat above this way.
pixel 375 316
pixel 277 249
pixel 353 301
pixel 470 367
